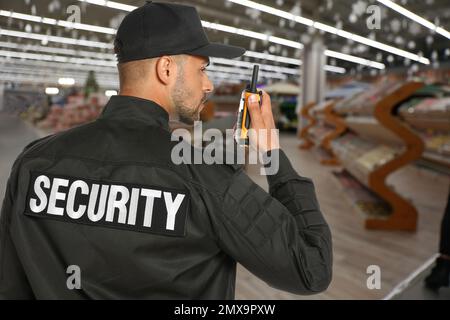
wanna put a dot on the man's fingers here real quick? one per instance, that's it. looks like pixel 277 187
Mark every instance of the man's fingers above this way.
pixel 257 121
pixel 266 110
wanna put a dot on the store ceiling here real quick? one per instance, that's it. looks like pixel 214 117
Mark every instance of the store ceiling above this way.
pixel 396 30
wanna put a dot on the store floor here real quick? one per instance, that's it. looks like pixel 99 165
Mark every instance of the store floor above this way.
pixel 397 253
pixel 355 248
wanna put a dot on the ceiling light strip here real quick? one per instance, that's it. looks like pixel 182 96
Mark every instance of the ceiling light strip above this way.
pixel 256 35
pixel 57 39
pixel 62 23
pixel 29 47
pixel 332 30
pixel 216 26
pixel 416 18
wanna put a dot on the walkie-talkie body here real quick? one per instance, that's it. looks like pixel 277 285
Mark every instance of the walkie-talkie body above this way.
pixel 243 118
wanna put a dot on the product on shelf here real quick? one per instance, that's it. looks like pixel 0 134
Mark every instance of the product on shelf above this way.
pixel 77 111
pixel 429 115
pixel 361 156
pixel 364 103
pixel 363 198
pixel 378 144
pixel 325 126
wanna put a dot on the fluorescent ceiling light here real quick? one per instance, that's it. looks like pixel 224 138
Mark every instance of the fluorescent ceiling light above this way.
pixel 66 81
pixel 47 57
pixel 343 56
pixel 216 26
pixel 252 34
pixel 249 66
pixel 110 93
pixel 271 57
pixel 246 72
pixel 333 30
pixel 334 69
pixel 73 52
pixel 10 61
pixel 298 62
pixel 111 4
pixel 51 90
pixel 81 62
pixel 48 80
pixel 62 23
pixel 54 73
pixel 415 18
pixel 45 38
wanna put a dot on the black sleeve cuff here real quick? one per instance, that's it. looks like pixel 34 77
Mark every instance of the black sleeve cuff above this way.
pixel 277 166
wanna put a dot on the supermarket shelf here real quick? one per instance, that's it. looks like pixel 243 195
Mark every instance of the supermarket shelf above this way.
pixel 310 121
pixel 428 113
pixel 337 123
pixel 429 123
pixel 404 214
pixel 433 166
pixel 363 162
pixel 364 103
pixel 436 157
pixel 322 108
pixel 329 128
pixel 368 204
pixel 371 129
pixel 372 165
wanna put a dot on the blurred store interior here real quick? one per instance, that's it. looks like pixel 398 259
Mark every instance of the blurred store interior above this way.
pixel 360 92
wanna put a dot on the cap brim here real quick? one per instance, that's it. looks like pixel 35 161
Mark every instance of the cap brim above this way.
pixel 218 50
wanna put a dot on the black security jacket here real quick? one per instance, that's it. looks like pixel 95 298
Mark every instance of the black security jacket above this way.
pixel 224 218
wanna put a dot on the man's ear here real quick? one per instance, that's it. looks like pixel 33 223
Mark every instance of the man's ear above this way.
pixel 166 69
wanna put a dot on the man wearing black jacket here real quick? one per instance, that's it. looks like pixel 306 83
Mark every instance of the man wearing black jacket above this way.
pixel 107 200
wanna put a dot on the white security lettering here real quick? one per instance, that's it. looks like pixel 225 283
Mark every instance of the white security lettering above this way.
pixel 150 194
pixel 92 215
pixel 56 195
pixel 172 208
pixel 71 212
pixel 133 206
pixel 40 193
pixel 109 205
pixel 120 204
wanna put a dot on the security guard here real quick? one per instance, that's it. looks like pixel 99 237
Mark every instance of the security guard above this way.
pixel 106 200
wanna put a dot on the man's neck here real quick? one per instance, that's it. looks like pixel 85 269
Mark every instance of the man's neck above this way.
pixel 148 96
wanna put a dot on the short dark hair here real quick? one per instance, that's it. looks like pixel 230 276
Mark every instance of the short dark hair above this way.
pixel 118 45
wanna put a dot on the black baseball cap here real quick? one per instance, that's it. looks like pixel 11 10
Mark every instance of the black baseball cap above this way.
pixel 158 29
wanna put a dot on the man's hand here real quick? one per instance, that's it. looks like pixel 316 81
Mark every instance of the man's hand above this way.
pixel 264 134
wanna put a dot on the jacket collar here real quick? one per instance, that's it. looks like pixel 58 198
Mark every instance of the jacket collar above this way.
pixel 127 107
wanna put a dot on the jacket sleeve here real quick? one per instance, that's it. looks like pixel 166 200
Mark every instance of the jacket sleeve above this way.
pixel 281 237
pixel 13 281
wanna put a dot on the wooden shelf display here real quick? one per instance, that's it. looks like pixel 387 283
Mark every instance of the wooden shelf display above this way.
pixel 326 126
pixel 307 122
pixel 429 116
pixel 378 144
